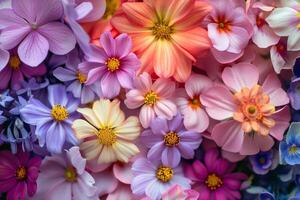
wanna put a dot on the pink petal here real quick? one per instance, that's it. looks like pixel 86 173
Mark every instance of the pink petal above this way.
pixel 220 40
pixel 225 57
pixel 134 99
pixel 123 44
pixel 210 158
pixel 238 39
pixel 105 177
pixel 9 18
pixel 5 76
pixel 164 87
pixel 143 82
pixel 249 145
pixel 196 84
pixel 165 108
pixel 108 43
pixel 146 116
pixel 265 37
pixel 97 12
pixel 123 172
pixel 110 85
pixel 277 60
pixel 11 36
pixel 200 170
pixel 196 120
pixel 265 143
pixel 282 118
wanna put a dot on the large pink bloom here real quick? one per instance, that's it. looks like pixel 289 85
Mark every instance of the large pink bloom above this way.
pixel 249 111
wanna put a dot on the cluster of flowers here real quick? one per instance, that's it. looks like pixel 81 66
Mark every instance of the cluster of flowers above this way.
pixel 149 100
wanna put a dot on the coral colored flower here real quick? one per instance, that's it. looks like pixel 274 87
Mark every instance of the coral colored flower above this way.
pixel 214 179
pixel 14 72
pixel 64 176
pixel 107 134
pixel 249 110
pixel 34 25
pixel 188 102
pixel 169 141
pixel 53 124
pixel 166 35
pixel 229 29
pixel 155 98
pixel 18 174
pixel 153 179
pixel 114 65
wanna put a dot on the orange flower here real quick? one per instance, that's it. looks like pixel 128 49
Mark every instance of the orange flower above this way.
pixel 166 34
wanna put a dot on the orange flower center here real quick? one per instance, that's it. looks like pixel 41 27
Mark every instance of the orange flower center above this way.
pixel 164 174
pixel 195 103
pixel 14 62
pixel 21 173
pixel 162 31
pixel 223 24
pixel 171 139
pixel 81 77
pixel 260 21
pixel 254 110
pixel 70 174
pixel 150 98
pixel 112 64
pixel 107 136
pixel 213 182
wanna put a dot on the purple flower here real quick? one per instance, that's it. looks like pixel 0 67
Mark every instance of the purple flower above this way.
pixel 169 141
pixel 114 64
pixel 154 179
pixel 294 93
pixel 34 26
pixel 4 57
pixel 263 162
pixel 53 124
pixel 18 174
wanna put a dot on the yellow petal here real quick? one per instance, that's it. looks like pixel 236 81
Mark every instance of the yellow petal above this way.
pixel 117 116
pixel 125 150
pixel 91 149
pixel 89 115
pixel 83 129
pixel 107 155
pixel 102 109
pixel 129 129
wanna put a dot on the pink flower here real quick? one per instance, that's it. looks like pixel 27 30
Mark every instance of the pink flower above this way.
pixel 155 98
pixel 189 104
pixel 229 31
pixel 213 178
pixel 249 110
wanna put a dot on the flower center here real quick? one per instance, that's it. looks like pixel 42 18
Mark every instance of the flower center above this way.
pixel 195 103
pixel 213 182
pixel 112 64
pixel 262 160
pixel 281 49
pixel 171 139
pixel 106 136
pixel 162 31
pixel 260 21
pixel 111 8
pixel 59 113
pixel 70 174
pixel 164 174
pixel 223 25
pixel 293 149
pixel 14 62
pixel 21 173
pixel 150 98
pixel 81 77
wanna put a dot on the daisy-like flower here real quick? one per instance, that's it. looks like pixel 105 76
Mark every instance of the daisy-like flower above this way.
pixel 249 110
pixel 155 98
pixel 169 141
pixel 107 134
pixel 166 35
pixel 188 102
pixel 154 179
pixel 18 174
pixel 214 179
pixel 114 65
pixel 53 124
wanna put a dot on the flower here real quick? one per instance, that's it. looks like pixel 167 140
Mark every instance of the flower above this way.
pixel 214 178
pixel 285 22
pixel 4 58
pixel 33 24
pixel 248 110
pixel 5 98
pixel 188 102
pixel 18 174
pixel 289 148
pixel 263 162
pixel 177 192
pixel 53 124
pixel 107 135
pixel 229 30
pixel 15 71
pixel 168 140
pixel 66 177
pixel 294 93
pixel 166 35
pixel 155 98
pixel 154 179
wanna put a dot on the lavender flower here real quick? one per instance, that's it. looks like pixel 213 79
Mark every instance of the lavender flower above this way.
pixel 263 162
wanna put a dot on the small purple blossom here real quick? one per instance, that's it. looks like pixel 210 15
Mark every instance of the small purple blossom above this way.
pixel 294 93
pixel 263 162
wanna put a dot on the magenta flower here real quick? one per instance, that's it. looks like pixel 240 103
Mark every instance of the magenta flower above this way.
pixel 214 179
pixel 114 64
pixel 169 141
pixel 34 26
pixel 15 71
pixel 18 174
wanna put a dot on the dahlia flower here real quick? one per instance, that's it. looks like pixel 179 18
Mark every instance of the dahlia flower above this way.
pixel 166 35
pixel 107 134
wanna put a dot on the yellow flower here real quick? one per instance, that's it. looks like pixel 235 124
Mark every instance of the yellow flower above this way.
pixel 108 136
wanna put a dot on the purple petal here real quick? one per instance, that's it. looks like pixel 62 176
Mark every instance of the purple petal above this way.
pixel 171 157
pixel 186 151
pixel 55 138
pixel 176 123
pixel 4 58
pixel 16 80
pixel 125 79
pixel 110 85
pixel 69 133
pixel 41 132
pixel 11 36
pixel 155 152
pixel 83 9
pixel 9 18
pixel 75 88
pixel 33 71
pixel 130 63
pixel 5 76
pixel 57 95
pixel 97 12
pixel 149 139
pixel 159 126
pixel 87 95
pixel 64 74
pixel 123 44
pixel 108 44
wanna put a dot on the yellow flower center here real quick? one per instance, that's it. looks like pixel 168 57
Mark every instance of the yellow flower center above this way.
pixel 293 149
pixel 70 174
pixel 112 64
pixel 59 113
pixel 162 31
pixel 195 103
pixel 106 136
pixel 111 8
pixel 164 174
pixel 14 62
pixel 262 160
pixel 21 173
pixel 150 98
pixel 81 77
pixel 213 182
pixel 171 139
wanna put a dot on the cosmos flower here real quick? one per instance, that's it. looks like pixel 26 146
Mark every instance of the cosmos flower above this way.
pixel 53 124
pixel 166 35
pixel 169 141
pixel 249 110
pixel 18 174
pixel 214 178
pixel 155 98
pixel 108 136
pixel 34 26
pixel 153 179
